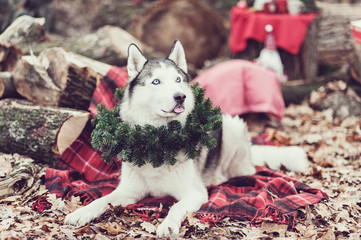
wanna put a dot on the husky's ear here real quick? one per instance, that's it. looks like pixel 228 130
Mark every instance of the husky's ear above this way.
pixel 178 56
pixel 136 61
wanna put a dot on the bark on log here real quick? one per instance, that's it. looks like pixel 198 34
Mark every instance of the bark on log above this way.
pixel 23 32
pixel 117 13
pixel 338 97
pixel 58 78
pixel 200 29
pixel 356 70
pixel 7 88
pixel 42 133
pixel 335 46
pixel 108 44
pixel 9 55
pixel 17 38
pixel 296 91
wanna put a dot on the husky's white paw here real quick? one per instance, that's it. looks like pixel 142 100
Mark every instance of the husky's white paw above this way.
pixel 82 216
pixel 167 228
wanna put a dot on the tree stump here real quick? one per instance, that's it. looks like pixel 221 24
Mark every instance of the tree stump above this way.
pixel 40 132
pixel 58 78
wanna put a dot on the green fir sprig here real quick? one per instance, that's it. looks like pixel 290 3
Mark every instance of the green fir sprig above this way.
pixel 156 145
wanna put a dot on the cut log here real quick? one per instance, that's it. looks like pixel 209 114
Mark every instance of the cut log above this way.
pixel 24 31
pixel 339 98
pixel 40 132
pixel 7 88
pixel 335 45
pixel 109 44
pixel 296 91
pixel 9 55
pixel 200 29
pixel 58 78
pixel 356 69
pixel 117 13
pixel 17 38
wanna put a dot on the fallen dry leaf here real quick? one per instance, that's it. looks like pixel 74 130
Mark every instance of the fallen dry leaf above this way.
pixel 274 228
pixel 5 165
pixel 148 227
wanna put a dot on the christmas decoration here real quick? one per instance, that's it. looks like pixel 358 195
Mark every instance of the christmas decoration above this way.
pixel 269 57
pixel 156 145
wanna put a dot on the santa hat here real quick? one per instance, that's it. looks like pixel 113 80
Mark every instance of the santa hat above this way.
pixel 270 41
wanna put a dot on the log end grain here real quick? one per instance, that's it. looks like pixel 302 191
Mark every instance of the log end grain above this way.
pixel 70 130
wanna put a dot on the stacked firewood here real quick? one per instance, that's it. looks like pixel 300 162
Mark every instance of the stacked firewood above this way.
pixel 45 97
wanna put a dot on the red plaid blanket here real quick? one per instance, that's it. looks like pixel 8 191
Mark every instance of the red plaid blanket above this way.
pixel 80 171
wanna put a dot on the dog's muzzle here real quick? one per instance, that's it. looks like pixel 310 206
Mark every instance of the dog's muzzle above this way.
pixel 179 98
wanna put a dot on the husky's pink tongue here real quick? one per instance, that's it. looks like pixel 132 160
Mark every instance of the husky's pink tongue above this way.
pixel 178 109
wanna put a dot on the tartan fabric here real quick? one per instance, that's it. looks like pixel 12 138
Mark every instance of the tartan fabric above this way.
pixel 80 171
pixel 104 92
pixel 266 194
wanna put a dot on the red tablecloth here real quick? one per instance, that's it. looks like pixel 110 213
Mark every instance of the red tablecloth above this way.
pixel 289 30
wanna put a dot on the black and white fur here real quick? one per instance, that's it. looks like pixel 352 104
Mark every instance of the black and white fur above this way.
pixel 157 92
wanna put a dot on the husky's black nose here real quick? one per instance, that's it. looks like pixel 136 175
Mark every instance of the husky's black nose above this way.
pixel 179 97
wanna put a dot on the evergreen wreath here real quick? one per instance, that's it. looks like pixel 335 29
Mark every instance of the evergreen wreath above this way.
pixel 155 145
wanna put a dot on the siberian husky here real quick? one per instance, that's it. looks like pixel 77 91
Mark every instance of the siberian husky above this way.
pixel 158 91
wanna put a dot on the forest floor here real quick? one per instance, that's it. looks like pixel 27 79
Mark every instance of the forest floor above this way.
pixel 334 151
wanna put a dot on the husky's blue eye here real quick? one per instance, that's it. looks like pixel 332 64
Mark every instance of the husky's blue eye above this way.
pixel 156 81
pixel 178 80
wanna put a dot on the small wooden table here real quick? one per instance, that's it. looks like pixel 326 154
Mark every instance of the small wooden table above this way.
pixel 296 39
